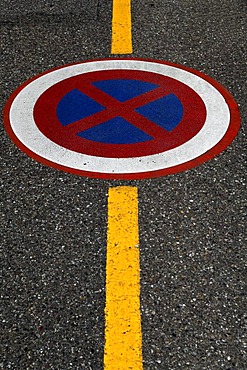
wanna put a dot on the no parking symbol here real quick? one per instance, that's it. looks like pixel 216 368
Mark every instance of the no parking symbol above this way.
pixel 123 118
pixel 119 113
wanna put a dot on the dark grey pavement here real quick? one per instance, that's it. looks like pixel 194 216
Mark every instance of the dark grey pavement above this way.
pixel 192 224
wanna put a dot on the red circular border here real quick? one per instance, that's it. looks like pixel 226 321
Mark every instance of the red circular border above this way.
pixel 47 121
pixel 231 133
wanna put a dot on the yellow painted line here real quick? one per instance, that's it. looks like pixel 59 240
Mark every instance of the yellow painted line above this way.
pixel 121 27
pixel 123 336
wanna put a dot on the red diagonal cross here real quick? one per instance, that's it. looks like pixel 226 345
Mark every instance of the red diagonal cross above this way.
pixel 115 108
pixel 45 114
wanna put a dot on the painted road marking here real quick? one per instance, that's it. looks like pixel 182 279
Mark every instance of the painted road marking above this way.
pixel 180 118
pixel 140 116
pixel 121 27
pixel 123 346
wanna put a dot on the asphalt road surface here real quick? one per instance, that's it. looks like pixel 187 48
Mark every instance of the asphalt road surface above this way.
pixel 191 224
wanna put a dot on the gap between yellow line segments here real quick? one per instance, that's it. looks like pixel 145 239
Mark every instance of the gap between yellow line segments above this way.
pixel 121 27
pixel 123 336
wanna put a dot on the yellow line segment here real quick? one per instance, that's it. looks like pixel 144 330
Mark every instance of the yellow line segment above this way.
pixel 121 27
pixel 123 345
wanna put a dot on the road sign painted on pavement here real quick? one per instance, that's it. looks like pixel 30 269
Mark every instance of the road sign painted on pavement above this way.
pixel 122 118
